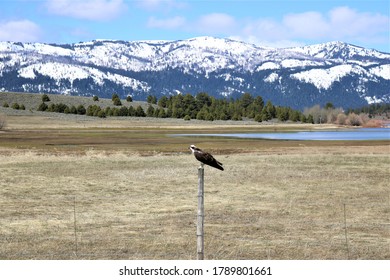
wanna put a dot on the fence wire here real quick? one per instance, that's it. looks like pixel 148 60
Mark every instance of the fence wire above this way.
pixel 109 227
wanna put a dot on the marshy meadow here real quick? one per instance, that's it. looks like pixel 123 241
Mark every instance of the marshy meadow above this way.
pixel 75 187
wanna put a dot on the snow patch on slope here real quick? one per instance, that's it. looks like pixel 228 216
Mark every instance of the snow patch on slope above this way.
pixel 381 71
pixel 373 100
pixel 60 71
pixel 324 78
pixel 268 65
pixel 271 78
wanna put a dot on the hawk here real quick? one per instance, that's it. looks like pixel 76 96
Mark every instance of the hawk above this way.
pixel 205 157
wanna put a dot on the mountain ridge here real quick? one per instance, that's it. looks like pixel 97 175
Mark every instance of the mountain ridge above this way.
pixel 337 72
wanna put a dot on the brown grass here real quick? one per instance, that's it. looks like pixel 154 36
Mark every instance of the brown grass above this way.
pixel 134 190
pixel 31 101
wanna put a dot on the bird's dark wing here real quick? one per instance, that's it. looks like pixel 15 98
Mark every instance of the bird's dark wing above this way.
pixel 208 159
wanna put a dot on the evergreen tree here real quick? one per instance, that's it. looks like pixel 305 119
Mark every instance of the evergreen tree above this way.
pixel 139 112
pixel 150 111
pixel 258 104
pixel 73 110
pixel 258 117
pixel 282 113
pixel 131 112
pixel 123 111
pixel 246 100
pixel 162 113
pixel 115 112
pixel 189 105
pixel 90 110
pixel 329 105
pixel 270 109
pixel 117 102
pixel 203 99
pixel 295 116
pixel 223 116
pixel 42 107
pixel 108 111
pixel 265 115
pixel 45 98
pixel 114 96
pixel 163 102
pixel 151 99
pixel 81 110
pixel 202 114
pixel 101 114
pixel 236 117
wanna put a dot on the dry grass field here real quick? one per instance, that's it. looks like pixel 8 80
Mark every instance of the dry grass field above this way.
pixel 87 188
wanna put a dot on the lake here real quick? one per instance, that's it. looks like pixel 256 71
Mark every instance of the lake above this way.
pixel 352 134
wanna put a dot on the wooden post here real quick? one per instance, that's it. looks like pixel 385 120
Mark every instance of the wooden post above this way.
pixel 199 228
pixel 346 232
pixel 75 225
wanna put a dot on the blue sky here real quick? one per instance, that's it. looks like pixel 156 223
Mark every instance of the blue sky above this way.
pixel 275 23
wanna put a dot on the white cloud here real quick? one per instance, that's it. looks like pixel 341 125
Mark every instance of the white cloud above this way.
pixel 341 23
pixel 153 5
pixel 87 9
pixel 306 25
pixel 169 23
pixel 346 22
pixel 216 23
pixel 150 4
pixel 20 31
pixel 264 29
pixel 293 29
pixel 268 43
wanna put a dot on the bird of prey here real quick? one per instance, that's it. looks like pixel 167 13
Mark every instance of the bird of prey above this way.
pixel 205 157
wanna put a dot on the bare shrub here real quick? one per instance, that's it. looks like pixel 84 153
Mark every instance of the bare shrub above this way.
pixel 364 117
pixel 332 114
pixel 373 123
pixel 319 115
pixel 354 120
pixel 323 115
pixel 341 119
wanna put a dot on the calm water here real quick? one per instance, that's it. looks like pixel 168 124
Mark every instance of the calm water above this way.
pixel 353 134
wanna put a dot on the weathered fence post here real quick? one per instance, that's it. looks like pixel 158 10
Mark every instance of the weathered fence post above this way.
pixel 75 226
pixel 199 228
pixel 346 232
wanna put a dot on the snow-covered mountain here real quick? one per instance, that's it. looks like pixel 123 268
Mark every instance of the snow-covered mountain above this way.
pixel 346 75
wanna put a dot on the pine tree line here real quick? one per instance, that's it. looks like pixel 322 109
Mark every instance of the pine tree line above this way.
pixel 205 107
pixel 376 109
pixel 200 107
